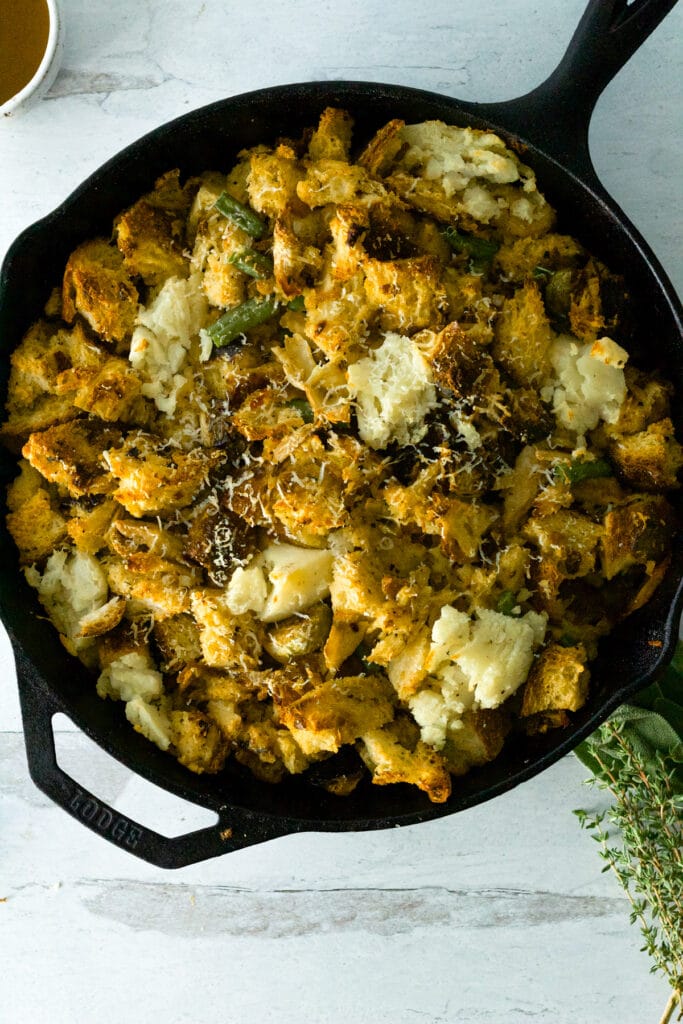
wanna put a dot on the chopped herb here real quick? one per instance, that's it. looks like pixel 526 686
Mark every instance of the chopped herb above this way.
pixel 240 319
pixel 253 263
pixel 542 272
pixel 297 304
pixel 240 215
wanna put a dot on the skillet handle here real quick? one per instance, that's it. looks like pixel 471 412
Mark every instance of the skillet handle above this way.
pixel 234 830
pixel 556 114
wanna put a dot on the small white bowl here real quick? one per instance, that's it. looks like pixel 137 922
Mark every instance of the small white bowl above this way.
pixel 47 69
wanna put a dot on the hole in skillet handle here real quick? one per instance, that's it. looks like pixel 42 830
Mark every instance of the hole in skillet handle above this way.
pixel 234 830
pixel 555 116
pixel 94 769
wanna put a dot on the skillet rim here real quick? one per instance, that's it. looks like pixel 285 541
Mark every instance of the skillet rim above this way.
pixel 478 115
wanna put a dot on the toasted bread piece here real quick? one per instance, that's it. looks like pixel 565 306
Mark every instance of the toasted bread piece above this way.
pixel 558 681
pixel 71 455
pixel 99 286
pixel 151 233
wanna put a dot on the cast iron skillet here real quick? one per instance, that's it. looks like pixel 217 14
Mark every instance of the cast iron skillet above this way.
pixel 550 125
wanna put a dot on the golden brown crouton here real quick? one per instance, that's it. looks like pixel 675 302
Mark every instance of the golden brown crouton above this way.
pixel 46 411
pixel 103 620
pixel 268 751
pixel 568 539
pixel 332 138
pixel 218 239
pixel 343 639
pixel 461 525
pixel 299 635
pixel 44 354
pixel 227 640
pixel 479 740
pixel 523 336
pixel 648 399
pixel 35 399
pixel 338 712
pixel 338 316
pixel 267 413
pixel 636 533
pixel 525 257
pixel 98 285
pixel 558 681
pixel 71 455
pixel 36 527
pixel 90 520
pixel 296 265
pixel 177 639
pixel 408 293
pixel 650 459
pixel 307 498
pixel 383 148
pixel 153 586
pixel 197 741
pixel 272 183
pixel 110 392
pixel 410 666
pixel 144 537
pixel 198 683
pixel 151 233
pixel 152 478
pixel 348 228
pixel 335 181
pixel 520 488
pixel 390 761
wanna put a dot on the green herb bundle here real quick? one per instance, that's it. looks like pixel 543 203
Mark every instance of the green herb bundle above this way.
pixel 637 755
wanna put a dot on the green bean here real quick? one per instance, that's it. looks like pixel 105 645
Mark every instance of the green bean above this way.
pixel 507 602
pixel 582 469
pixel 241 319
pixel 240 215
pixel 480 250
pixel 253 263
pixel 303 408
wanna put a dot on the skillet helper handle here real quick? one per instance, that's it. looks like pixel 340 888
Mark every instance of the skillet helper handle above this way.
pixel 557 113
pixel 234 830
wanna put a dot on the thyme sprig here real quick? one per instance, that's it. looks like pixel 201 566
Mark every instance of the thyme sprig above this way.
pixel 637 756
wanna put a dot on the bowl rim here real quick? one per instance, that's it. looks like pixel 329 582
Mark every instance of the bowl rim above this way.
pixel 46 64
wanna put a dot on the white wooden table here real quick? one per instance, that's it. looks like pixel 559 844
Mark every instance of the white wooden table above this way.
pixel 498 915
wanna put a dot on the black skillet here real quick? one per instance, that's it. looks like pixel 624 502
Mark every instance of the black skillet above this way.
pixel 551 125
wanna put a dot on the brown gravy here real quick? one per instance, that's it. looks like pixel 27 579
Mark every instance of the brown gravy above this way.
pixel 24 28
